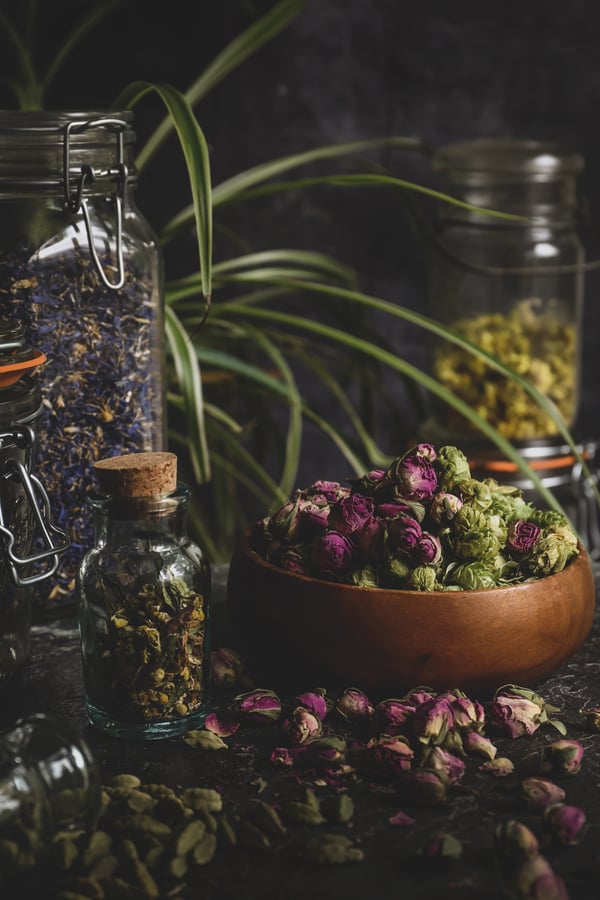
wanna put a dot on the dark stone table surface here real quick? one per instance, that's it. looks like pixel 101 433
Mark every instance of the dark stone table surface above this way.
pixel 393 865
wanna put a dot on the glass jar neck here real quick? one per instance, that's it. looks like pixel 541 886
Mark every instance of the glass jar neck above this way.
pixel 66 154
pixel 117 519
pixel 531 179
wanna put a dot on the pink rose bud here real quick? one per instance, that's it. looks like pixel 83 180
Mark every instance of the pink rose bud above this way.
pixel 259 706
pixel 540 793
pixel 428 550
pixel 302 726
pixel 401 818
pixel 535 878
pixel 371 540
pixel 514 716
pixel 514 841
pixel 292 561
pixel 315 702
pixel 312 518
pixel 389 755
pixel 565 822
pixel 564 756
pixel 500 766
pixel 473 742
pixel 322 752
pixel 432 720
pixel 441 847
pixel 469 715
pixel 332 554
pixel 415 476
pixel 426 787
pixel 225 667
pixel 283 756
pixel 350 514
pixel 592 717
pixel 390 716
pixel 404 534
pixel 331 490
pixel 444 507
pixel 452 766
pixel 354 705
pixel 522 536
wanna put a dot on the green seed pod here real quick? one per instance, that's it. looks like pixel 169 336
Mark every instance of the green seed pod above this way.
pixel 189 837
pixel 265 817
pixel 204 850
pixel 302 813
pixel 202 798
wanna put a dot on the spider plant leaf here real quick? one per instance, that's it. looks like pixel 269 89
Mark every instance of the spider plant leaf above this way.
pixel 188 376
pixel 431 384
pixel 232 56
pixel 319 262
pixel 195 151
pixel 228 191
pixel 26 86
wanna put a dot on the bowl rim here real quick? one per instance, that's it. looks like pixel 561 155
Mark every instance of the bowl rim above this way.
pixel 254 556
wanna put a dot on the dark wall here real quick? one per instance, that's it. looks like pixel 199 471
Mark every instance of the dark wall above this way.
pixel 350 69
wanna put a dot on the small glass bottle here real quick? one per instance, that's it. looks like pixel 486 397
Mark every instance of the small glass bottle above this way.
pixel 81 269
pixel 512 286
pixel 49 782
pixel 30 545
pixel 144 597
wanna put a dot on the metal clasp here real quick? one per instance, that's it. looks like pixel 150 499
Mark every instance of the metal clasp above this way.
pixel 54 541
pixel 74 199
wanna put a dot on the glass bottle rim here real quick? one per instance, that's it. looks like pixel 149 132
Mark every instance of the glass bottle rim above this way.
pixel 486 157
pixel 153 506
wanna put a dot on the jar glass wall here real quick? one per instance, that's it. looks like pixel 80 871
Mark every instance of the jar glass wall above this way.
pixel 80 268
pixel 514 287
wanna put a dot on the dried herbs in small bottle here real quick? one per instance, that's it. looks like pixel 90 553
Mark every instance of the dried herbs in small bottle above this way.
pixel 49 782
pixel 144 595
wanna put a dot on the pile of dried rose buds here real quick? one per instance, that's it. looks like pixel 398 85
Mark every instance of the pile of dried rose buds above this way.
pixel 421 524
pixel 421 744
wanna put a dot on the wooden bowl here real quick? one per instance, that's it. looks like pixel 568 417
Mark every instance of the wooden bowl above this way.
pixel 300 633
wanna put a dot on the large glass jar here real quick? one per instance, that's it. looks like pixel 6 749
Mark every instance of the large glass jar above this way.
pixel 81 270
pixel 30 545
pixel 49 782
pixel 512 286
pixel 144 597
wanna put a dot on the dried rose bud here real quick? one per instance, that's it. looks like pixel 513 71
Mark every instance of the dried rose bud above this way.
pixel 389 755
pixel 259 706
pixel 404 533
pixel 225 668
pixel 312 518
pixel 592 717
pixel 428 550
pixel 514 715
pixel 223 725
pixel 453 742
pixel 371 540
pixel 473 742
pixel 540 793
pixel 414 474
pixel 368 483
pixel 468 714
pixel 331 490
pixel 565 822
pixel 441 847
pixel 427 787
pixel 390 716
pixel 314 701
pixel 452 766
pixel 332 554
pixel 354 705
pixel 500 766
pixel 302 726
pixel 432 719
pixel 522 535
pixel 444 507
pixel 350 514
pixel 291 561
pixel 564 756
pixel 515 842
pixel 322 752
pixel 283 756
pixel 536 879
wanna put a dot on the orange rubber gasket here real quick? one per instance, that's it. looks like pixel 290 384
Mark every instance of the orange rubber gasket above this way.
pixel 505 465
pixel 11 372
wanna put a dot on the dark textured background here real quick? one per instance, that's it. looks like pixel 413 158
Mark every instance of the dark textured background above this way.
pixel 344 70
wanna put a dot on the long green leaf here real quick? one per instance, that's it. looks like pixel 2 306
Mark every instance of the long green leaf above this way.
pixel 26 87
pixel 188 375
pixel 195 151
pixel 227 191
pixel 240 48
pixel 400 365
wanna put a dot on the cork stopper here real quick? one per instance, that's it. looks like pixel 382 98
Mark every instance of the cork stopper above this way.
pixel 137 474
